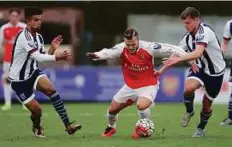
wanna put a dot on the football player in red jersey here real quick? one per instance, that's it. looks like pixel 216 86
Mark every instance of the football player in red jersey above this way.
pixel 141 84
pixel 8 33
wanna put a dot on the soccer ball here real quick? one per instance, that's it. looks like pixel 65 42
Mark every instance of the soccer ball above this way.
pixel 144 127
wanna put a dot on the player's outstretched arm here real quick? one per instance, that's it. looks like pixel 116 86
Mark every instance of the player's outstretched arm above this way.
pixel 105 53
pixel 176 51
pixel 64 55
pixel 55 44
pixel 197 53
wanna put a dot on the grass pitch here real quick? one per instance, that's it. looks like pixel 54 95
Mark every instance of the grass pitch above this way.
pixel 15 128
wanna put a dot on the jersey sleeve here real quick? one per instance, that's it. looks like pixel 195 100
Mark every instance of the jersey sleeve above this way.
pixel 163 48
pixel 26 42
pixel 113 52
pixel 227 30
pixel 204 37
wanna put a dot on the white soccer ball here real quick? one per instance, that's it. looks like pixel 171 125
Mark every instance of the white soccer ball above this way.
pixel 145 127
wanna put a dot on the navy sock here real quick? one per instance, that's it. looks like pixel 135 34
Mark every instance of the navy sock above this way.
pixel 188 101
pixel 230 107
pixel 58 104
pixel 204 117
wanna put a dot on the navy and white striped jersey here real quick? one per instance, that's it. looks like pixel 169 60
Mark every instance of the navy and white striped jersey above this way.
pixel 228 30
pixel 22 64
pixel 212 61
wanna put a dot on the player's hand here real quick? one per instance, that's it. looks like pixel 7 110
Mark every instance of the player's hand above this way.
pixel 170 61
pixel 92 55
pixel 194 67
pixel 64 55
pixel 56 41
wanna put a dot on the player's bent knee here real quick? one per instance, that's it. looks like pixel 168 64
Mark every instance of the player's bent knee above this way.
pixel 141 106
pixel 143 103
pixel 189 89
pixel 113 110
pixel 49 91
pixel 116 107
pixel 34 107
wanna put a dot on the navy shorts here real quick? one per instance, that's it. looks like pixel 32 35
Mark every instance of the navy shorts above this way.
pixel 24 90
pixel 212 84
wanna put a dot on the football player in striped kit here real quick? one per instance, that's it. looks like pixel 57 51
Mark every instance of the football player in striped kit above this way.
pixel 203 47
pixel 25 76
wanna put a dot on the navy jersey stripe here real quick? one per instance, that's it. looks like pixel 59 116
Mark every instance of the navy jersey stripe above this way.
pixel 27 35
pixel 31 67
pixel 187 41
pixel 13 50
pixel 23 69
pixel 41 39
pixel 210 63
pixel 230 28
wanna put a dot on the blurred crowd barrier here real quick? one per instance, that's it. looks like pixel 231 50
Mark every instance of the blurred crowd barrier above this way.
pixel 99 84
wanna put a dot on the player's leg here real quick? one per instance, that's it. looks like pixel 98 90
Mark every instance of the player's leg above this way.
pixel 6 87
pixel 144 103
pixel 44 85
pixel 143 107
pixel 24 93
pixel 112 117
pixel 123 98
pixel 211 92
pixel 36 114
pixel 228 119
pixel 193 82
pixel 205 114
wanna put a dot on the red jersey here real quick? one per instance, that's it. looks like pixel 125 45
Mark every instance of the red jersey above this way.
pixel 8 33
pixel 138 68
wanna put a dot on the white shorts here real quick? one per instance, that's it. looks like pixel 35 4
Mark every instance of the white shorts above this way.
pixel 5 67
pixel 126 93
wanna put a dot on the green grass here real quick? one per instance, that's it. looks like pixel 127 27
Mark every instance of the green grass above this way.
pixel 15 128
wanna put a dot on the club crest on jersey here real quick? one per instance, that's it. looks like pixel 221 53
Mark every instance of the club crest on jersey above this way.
pixel 156 46
pixel 199 38
pixel 171 85
pixel 142 56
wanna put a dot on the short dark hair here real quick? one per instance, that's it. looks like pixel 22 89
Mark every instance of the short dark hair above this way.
pixel 190 12
pixel 30 11
pixel 130 33
pixel 14 10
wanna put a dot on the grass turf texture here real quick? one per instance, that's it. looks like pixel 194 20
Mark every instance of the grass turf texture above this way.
pixel 15 128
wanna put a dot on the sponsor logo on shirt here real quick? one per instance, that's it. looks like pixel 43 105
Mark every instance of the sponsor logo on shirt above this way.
pixel 136 67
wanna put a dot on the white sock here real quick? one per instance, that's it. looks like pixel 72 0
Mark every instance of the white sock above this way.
pixel 144 113
pixel 112 118
pixel 7 93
